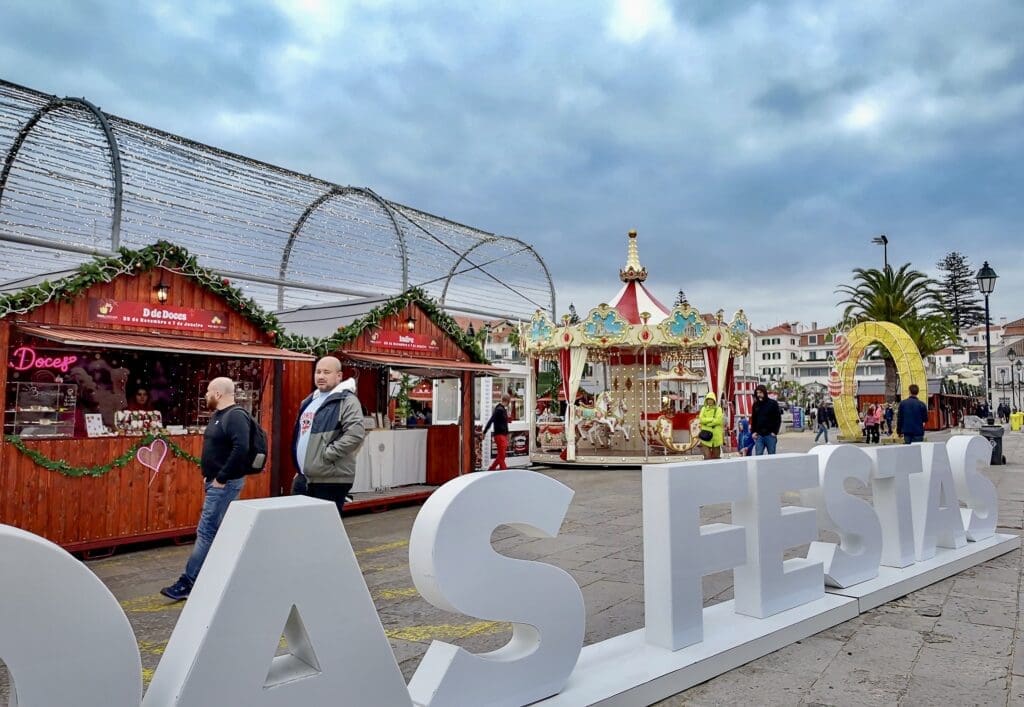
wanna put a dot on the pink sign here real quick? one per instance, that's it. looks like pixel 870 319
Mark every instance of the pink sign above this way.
pixel 161 316
pixel 25 358
pixel 152 456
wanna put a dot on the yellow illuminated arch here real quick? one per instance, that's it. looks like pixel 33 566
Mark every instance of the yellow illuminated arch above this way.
pixel 848 351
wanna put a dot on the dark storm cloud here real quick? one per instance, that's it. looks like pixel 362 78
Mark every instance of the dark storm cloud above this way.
pixel 756 146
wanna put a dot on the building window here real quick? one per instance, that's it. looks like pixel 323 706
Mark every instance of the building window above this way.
pixel 812 339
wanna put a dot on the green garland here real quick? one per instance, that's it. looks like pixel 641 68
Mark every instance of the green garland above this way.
pixel 375 317
pixel 62 467
pixel 133 262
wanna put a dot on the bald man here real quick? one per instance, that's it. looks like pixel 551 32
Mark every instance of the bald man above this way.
pixel 328 434
pixel 224 463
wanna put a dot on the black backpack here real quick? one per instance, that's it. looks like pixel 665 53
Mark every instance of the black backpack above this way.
pixel 257 456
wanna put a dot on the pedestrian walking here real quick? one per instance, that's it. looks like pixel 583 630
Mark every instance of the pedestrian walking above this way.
pixel 822 415
pixel 712 428
pixel 224 463
pixel 499 418
pixel 328 434
pixel 888 416
pixel 765 421
pixel 911 417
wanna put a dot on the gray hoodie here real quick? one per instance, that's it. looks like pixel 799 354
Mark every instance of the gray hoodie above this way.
pixel 334 438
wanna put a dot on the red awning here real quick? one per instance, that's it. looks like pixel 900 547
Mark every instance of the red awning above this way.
pixel 426 367
pixel 159 342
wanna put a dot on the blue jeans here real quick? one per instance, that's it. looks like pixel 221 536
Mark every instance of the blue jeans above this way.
pixel 822 430
pixel 215 505
pixel 910 439
pixel 765 444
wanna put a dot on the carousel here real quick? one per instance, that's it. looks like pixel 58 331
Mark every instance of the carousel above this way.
pixel 647 360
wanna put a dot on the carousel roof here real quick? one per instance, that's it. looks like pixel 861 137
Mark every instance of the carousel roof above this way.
pixel 622 322
pixel 634 298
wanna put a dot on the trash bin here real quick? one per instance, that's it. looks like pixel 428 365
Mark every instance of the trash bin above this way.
pixel 994 435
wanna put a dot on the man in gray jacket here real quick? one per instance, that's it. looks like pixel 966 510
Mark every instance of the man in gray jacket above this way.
pixel 328 434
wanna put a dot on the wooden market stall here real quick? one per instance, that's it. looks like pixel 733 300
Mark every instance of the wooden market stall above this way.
pixel 387 345
pixel 103 387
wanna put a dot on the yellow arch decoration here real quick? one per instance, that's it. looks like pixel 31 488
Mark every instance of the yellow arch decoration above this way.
pixel 849 348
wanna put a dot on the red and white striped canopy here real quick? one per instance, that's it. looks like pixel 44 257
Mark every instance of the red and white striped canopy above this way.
pixel 634 298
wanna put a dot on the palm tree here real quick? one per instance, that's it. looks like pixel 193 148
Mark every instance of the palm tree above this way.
pixel 908 298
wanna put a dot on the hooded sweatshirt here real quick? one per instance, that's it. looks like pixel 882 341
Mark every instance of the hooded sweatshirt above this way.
pixel 712 419
pixel 328 433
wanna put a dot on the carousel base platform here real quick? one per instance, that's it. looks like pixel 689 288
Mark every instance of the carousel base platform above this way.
pixel 375 501
pixel 617 458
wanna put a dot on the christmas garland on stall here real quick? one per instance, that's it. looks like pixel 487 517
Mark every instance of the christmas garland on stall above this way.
pixel 375 317
pixel 132 262
pixel 63 467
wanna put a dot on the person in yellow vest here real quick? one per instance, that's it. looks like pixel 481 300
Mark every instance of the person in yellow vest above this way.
pixel 712 426
pixel 1016 420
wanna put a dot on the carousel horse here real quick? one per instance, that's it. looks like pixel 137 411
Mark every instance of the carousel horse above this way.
pixel 661 432
pixel 602 420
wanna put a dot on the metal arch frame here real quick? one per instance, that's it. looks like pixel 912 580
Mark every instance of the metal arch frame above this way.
pixel 496 239
pixel 115 154
pixel 316 204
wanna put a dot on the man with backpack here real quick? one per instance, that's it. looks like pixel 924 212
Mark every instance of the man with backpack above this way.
pixel 225 461
pixel 328 434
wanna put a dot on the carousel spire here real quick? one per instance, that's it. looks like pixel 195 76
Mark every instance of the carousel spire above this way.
pixel 634 271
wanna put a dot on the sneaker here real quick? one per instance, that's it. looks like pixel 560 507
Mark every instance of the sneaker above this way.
pixel 349 499
pixel 178 591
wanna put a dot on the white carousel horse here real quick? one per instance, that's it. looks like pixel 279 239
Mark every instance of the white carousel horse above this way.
pixel 601 421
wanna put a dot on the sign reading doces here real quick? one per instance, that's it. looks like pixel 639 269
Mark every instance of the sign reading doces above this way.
pixel 160 316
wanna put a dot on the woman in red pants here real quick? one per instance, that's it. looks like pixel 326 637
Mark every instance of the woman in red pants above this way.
pixel 499 418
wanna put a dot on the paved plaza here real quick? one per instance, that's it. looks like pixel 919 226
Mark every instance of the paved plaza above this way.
pixel 955 642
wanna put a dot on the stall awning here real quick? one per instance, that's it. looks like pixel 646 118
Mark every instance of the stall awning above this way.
pixel 153 342
pixel 426 367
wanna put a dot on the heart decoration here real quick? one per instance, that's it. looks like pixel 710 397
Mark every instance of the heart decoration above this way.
pixel 152 456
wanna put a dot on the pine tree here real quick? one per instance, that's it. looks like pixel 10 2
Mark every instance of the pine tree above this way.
pixel 959 291
pixel 680 298
pixel 573 317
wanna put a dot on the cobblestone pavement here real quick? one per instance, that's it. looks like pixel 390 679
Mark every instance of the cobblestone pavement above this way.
pixel 955 642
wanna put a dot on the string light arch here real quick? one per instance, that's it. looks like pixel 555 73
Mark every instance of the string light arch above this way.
pixel 78 182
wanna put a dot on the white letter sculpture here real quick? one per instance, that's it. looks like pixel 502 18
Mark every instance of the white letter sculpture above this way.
pixel 766 584
pixel 455 568
pixel 966 454
pixel 937 519
pixel 891 469
pixel 856 557
pixel 679 551
pixel 63 635
pixel 279 565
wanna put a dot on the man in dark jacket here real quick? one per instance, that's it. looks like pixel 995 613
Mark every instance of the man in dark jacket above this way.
pixel 499 418
pixel 224 464
pixel 328 433
pixel 765 421
pixel 911 416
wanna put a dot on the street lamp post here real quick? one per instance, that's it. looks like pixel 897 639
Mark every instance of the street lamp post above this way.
pixel 883 241
pixel 1011 356
pixel 1002 384
pixel 986 278
pixel 1020 382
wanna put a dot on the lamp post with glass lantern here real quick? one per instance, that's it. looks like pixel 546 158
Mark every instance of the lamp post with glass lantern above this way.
pixel 1011 356
pixel 986 278
pixel 1020 383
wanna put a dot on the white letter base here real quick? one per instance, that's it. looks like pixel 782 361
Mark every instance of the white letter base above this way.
pixel 893 583
pixel 626 670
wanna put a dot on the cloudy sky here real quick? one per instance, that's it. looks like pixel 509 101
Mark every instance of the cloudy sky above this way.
pixel 756 146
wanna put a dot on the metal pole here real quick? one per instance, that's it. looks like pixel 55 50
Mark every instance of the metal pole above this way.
pixel 988 358
pixel 643 413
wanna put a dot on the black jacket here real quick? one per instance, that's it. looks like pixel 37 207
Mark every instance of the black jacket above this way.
pixel 226 445
pixel 499 418
pixel 765 417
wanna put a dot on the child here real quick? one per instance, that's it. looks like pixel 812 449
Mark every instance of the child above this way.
pixel 746 439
